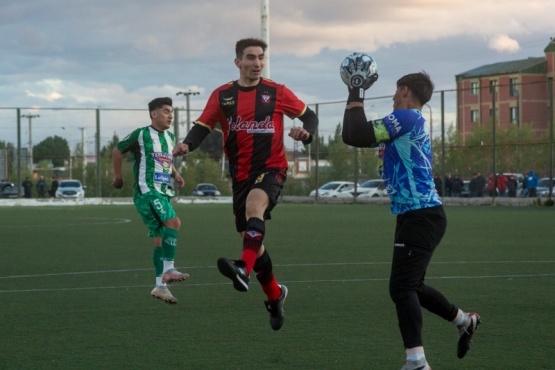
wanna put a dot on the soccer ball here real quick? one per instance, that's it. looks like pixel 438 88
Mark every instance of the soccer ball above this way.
pixel 359 70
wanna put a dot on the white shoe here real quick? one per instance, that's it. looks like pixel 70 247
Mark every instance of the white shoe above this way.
pixel 162 292
pixel 417 365
pixel 173 276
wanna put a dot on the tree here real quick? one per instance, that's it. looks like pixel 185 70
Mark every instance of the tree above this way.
pixel 201 168
pixel 54 148
pixel 516 150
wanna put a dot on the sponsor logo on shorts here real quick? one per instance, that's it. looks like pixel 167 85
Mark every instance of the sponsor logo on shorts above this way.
pixel 399 245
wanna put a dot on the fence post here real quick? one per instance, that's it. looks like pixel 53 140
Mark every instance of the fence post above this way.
pixel 551 115
pixel 98 158
pixel 494 119
pixel 317 155
pixel 19 152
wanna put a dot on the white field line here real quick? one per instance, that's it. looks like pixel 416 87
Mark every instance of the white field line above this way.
pixel 192 284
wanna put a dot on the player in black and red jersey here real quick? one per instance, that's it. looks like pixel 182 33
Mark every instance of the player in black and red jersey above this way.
pixel 250 111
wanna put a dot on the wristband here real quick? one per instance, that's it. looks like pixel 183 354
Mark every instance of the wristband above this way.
pixel 356 94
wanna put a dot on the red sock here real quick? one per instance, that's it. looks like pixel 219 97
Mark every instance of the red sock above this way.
pixel 249 257
pixel 272 290
pixel 252 241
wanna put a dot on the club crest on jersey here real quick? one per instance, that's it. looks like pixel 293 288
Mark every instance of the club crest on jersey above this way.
pixel 266 98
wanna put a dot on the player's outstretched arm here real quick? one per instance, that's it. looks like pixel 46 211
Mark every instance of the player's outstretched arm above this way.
pixel 180 149
pixel 358 71
pixel 192 141
pixel 357 131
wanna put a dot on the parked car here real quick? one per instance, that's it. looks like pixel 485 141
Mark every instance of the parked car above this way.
pixel 543 187
pixel 206 190
pixel 70 189
pixel 9 190
pixel 371 189
pixel 465 192
pixel 335 189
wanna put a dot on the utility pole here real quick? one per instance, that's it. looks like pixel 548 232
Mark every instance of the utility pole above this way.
pixel 265 34
pixel 187 95
pixel 30 149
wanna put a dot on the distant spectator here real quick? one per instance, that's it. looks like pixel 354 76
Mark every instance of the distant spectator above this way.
pixel 439 184
pixel 531 183
pixel 480 184
pixel 502 184
pixel 456 186
pixel 27 187
pixel 512 186
pixel 42 187
pixel 448 184
pixel 53 187
pixel 491 185
pixel 472 186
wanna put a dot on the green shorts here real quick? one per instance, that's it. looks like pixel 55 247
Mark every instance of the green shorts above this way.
pixel 155 209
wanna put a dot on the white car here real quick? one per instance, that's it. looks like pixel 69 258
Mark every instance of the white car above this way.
pixel 70 189
pixel 371 189
pixel 543 187
pixel 335 189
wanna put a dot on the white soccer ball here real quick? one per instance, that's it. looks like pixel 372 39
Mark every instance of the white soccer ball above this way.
pixel 359 70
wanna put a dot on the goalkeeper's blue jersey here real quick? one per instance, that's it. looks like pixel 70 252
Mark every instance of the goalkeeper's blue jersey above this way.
pixel 406 152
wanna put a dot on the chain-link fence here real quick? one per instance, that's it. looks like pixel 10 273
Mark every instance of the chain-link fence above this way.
pixel 77 143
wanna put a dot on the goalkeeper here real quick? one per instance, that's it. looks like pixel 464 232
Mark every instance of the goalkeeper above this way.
pixel 406 159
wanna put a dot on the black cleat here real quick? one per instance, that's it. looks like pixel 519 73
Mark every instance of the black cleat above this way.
pixel 235 270
pixel 275 308
pixel 465 334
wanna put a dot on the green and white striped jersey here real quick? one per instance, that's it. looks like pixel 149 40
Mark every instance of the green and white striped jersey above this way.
pixel 151 150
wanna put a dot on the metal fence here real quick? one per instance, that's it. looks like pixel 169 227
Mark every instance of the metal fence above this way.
pixel 89 131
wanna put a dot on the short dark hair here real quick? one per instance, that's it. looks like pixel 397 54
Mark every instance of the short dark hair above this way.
pixel 159 103
pixel 420 84
pixel 242 44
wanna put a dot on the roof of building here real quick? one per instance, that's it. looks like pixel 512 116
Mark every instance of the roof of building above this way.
pixel 530 65
pixel 550 46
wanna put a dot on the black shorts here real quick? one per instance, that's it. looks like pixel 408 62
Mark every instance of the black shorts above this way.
pixel 271 182
pixel 417 234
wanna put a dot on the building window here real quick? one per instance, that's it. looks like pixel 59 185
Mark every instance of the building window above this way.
pixel 474 88
pixel 493 86
pixel 513 86
pixel 473 116
pixel 513 113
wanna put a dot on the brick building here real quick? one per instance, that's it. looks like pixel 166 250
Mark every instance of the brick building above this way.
pixel 520 88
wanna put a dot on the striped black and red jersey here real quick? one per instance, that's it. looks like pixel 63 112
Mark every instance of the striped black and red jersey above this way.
pixel 252 123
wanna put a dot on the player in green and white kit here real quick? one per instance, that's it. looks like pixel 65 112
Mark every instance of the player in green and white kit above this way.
pixel 151 147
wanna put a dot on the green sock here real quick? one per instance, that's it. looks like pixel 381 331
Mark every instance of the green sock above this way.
pixel 169 242
pixel 157 260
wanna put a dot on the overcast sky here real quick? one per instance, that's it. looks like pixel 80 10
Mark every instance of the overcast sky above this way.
pixel 121 54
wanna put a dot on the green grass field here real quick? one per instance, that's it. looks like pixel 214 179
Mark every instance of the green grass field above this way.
pixel 75 284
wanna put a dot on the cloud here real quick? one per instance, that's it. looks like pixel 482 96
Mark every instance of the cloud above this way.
pixel 504 43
